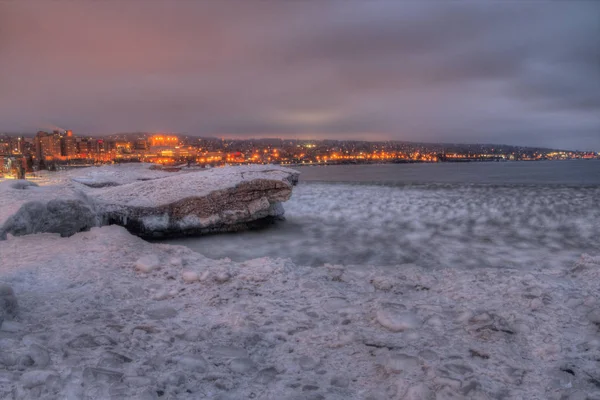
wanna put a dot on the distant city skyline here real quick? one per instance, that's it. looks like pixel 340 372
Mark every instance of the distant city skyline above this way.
pixel 292 138
pixel 514 73
pixel 182 138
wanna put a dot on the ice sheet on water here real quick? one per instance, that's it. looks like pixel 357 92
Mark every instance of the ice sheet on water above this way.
pixel 431 225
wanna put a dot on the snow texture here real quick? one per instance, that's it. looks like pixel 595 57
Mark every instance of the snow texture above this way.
pixel 434 225
pixel 92 324
pixel 147 202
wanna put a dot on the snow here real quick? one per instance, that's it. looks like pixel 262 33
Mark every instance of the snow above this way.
pixel 146 201
pixel 147 263
pixel 393 317
pixel 110 175
pixel 430 225
pixel 91 325
pixel 104 314
pixel 158 192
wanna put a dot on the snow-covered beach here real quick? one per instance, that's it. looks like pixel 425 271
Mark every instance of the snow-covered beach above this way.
pixel 105 314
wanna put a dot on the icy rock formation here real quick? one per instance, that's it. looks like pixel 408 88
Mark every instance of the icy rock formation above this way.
pixel 8 303
pixel 28 208
pixel 217 200
pixel 65 217
pixel 148 203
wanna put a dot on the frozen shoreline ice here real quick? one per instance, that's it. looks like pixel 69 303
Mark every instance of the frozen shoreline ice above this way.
pixel 429 225
pixel 91 324
pixel 104 314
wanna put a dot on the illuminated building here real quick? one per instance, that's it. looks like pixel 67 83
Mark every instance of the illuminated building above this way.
pixel 68 145
pixel 163 141
pixel 48 146
pixel 141 145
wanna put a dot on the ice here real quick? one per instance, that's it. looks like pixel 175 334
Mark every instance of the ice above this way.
pixel 161 312
pixel 308 363
pixel 242 365
pixel 395 318
pixel 90 325
pixel 227 352
pixel 430 225
pixel 8 303
pixel 190 276
pixel 39 355
pixel 594 316
pixel 35 378
pixel 101 375
pixel 193 362
pixel 65 217
pixel 398 363
pixel 147 263
pixel 340 381
pixel 149 203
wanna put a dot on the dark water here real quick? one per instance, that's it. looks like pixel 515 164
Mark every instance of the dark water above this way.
pixel 510 214
pixel 569 172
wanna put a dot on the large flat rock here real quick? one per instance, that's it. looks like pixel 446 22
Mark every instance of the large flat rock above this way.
pixel 150 203
pixel 215 200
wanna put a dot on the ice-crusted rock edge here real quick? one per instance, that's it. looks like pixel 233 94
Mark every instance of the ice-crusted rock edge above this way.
pixel 105 314
pixel 148 203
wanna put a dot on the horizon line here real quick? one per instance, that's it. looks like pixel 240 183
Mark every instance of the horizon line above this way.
pixel 298 139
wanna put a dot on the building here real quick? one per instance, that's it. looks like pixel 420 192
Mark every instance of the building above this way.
pixel 140 145
pixel 84 146
pixel 163 141
pixel 68 145
pixel 38 144
pixel 47 145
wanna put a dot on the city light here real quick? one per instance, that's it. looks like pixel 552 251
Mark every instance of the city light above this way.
pixel 50 150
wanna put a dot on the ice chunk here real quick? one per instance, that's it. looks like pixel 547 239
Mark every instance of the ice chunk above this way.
pixel 242 365
pixel 397 363
pixel 193 362
pixel 147 263
pixel 308 363
pixel 190 276
pixel 40 356
pixel 109 376
pixel 334 304
pixel 8 302
pixel 37 377
pixel 393 317
pixel 161 313
pixel 340 381
pixel 228 352
pixel 594 316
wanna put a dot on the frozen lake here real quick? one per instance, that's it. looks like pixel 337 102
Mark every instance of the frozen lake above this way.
pixel 512 214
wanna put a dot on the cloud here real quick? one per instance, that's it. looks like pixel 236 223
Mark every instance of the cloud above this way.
pixel 521 73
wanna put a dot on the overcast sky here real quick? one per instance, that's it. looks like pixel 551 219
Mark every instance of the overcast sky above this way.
pixel 513 72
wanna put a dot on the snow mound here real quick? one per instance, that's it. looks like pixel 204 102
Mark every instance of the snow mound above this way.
pixel 28 208
pixel 65 217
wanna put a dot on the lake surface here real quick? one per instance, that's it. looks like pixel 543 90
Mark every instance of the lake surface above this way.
pixel 493 214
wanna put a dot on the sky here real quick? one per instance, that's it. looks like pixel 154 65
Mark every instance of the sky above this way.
pixel 511 72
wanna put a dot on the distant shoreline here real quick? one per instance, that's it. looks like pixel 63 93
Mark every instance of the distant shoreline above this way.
pixel 430 162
